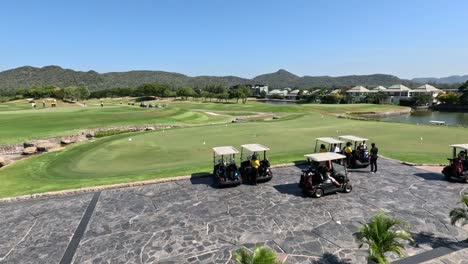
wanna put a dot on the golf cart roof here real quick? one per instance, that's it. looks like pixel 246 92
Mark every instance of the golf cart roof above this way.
pixel 255 147
pixel 462 146
pixel 353 138
pixel 325 156
pixel 330 140
pixel 226 150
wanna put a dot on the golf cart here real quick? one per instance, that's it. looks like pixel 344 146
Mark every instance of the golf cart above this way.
pixel 458 167
pixel 263 173
pixel 360 156
pixel 225 172
pixel 324 175
pixel 329 142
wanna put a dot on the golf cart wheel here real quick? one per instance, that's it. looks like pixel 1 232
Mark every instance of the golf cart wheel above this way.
pixel 348 188
pixel 318 193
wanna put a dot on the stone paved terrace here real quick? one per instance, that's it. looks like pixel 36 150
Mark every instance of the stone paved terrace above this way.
pixel 191 222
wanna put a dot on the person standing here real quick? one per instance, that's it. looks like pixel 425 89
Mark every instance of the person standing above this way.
pixel 373 158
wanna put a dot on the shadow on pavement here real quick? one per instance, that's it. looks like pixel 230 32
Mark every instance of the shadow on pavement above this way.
pixel 431 176
pixel 290 189
pixel 329 258
pixel 202 178
pixel 425 238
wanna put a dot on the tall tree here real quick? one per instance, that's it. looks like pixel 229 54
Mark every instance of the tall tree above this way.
pixel 463 89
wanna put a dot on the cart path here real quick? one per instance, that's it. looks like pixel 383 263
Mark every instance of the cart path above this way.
pixel 191 222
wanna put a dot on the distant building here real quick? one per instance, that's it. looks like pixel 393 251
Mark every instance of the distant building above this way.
pixel 397 92
pixel 277 92
pixel 429 90
pixel 358 91
pixel 292 95
pixel 257 89
pixel 378 89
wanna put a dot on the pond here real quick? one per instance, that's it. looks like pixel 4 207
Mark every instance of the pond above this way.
pixel 424 116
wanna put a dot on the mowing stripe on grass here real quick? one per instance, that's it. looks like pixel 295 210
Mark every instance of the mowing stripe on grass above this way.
pixel 79 232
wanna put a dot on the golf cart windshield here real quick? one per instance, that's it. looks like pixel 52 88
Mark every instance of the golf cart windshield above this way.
pixel 254 148
pixel 328 140
pixel 458 146
pixel 224 151
pixel 338 168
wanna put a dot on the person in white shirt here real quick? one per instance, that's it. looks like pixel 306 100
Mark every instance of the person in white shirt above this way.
pixel 336 149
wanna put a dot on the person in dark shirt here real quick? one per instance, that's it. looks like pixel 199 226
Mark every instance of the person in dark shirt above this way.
pixel 373 158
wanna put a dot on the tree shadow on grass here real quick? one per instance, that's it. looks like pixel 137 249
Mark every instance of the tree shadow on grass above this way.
pixel 431 176
pixel 290 189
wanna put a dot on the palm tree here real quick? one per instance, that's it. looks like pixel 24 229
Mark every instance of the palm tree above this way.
pixel 260 255
pixel 383 234
pixel 460 214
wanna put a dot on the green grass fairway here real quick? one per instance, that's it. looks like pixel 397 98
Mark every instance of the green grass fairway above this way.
pixel 21 125
pixel 158 154
pixel 18 122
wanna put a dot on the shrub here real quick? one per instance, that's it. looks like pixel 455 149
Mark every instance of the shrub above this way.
pixel 106 133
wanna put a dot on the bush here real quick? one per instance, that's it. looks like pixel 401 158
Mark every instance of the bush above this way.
pixel 331 99
pixel 106 133
pixel 407 102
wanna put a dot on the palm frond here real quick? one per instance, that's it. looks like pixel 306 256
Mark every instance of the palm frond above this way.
pixel 383 234
pixel 242 256
pixel 263 255
pixel 458 215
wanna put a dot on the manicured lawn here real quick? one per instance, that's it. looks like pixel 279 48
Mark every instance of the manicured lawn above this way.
pixel 158 154
pixel 18 122
pixel 21 125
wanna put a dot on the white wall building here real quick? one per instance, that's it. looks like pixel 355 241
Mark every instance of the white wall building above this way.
pixel 396 92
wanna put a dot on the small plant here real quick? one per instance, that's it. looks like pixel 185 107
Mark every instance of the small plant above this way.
pixel 260 255
pixel 460 214
pixel 383 234
pixel 106 133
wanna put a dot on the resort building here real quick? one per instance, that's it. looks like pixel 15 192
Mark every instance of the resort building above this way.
pixel 429 90
pixel 277 92
pixel 396 92
pixel 257 89
pixel 292 95
pixel 358 91
pixel 378 89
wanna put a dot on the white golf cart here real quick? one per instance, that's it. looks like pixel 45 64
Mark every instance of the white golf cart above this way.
pixel 329 143
pixel 324 175
pixel 225 170
pixel 360 156
pixel 263 172
pixel 458 164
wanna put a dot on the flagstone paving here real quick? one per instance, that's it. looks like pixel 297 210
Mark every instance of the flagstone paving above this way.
pixel 192 222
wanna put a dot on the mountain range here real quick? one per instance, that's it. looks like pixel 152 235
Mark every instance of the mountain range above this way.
pixel 449 80
pixel 27 76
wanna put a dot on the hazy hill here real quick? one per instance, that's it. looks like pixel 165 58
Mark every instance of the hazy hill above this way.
pixel 27 76
pixel 449 80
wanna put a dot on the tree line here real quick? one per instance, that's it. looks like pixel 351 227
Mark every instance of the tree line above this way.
pixel 78 93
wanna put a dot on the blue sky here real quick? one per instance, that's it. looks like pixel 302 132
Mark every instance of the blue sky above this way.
pixel 412 38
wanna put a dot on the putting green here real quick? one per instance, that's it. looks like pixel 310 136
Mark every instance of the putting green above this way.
pixel 186 151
